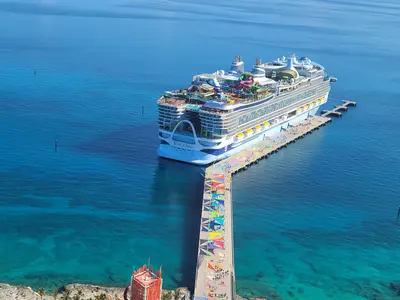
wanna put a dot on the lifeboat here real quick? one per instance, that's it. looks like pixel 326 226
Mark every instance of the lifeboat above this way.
pixel 305 107
pixel 266 124
pixel 239 136
pixel 249 131
pixel 258 128
pixel 300 109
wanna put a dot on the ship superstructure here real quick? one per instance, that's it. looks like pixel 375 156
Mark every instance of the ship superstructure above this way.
pixel 222 113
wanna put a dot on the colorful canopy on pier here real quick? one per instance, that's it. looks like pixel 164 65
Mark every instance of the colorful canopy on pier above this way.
pixel 220 201
pixel 220 244
pixel 212 246
pixel 215 215
pixel 219 185
pixel 214 235
pixel 219 209
pixel 219 180
pixel 216 195
pixel 222 198
pixel 218 175
pixel 214 227
pixel 220 221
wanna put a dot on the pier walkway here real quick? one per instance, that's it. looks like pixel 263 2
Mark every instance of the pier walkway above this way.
pixel 336 111
pixel 215 272
pixel 215 277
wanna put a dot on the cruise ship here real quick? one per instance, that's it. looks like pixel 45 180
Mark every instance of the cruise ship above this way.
pixel 222 113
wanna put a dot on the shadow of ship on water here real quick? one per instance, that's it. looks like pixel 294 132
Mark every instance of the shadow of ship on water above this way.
pixel 172 177
pixel 137 144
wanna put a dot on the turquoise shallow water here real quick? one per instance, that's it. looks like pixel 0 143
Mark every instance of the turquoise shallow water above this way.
pixel 315 221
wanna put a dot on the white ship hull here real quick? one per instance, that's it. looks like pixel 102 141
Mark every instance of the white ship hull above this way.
pixel 195 156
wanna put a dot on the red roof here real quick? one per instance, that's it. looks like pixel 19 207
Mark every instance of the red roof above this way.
pixel 145 278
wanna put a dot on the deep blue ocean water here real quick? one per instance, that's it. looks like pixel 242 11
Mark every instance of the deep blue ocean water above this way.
pixel 315 221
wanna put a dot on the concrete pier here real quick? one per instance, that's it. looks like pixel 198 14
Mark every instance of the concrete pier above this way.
pixel 215 273
pixel 336 111
pixel 215 278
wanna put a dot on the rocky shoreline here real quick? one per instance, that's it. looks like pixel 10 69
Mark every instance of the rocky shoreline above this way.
pixel 83 292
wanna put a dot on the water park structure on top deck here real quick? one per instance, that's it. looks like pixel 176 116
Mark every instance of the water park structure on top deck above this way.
pixel 233 87
pixel 237 87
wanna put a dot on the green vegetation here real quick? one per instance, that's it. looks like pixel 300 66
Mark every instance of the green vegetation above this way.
pixel 178 294
pixel 102 296
pixel 41 292
pixel 66 295
pixel 167 296
pixel 78 296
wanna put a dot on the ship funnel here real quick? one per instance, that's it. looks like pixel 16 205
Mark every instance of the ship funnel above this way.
pixel 258 62
pixel 237 65
pixel 290 66
pixel 258 71
pixel 290 63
